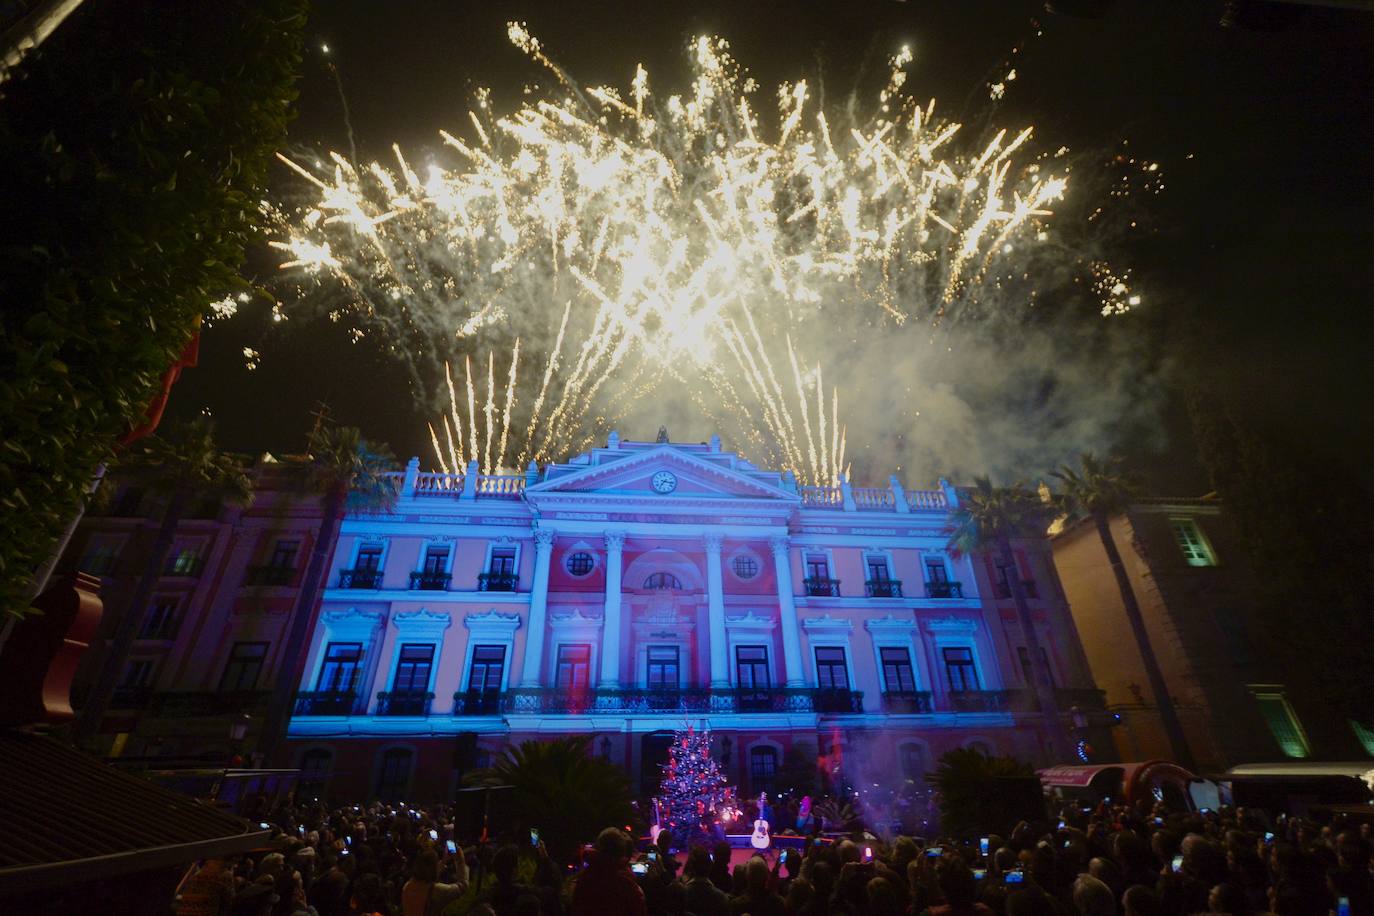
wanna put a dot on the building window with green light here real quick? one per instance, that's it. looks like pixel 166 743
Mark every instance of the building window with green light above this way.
pixel 1195 548
pixel 1283 722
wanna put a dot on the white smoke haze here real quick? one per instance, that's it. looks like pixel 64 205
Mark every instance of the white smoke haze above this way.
pixel 887 292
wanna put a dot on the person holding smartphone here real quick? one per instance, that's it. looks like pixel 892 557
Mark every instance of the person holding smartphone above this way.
pixel 423 893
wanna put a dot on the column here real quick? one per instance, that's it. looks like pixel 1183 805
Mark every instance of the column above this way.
pixel 610 630
pixel 715 614
pixel 532 667
pixel 787 608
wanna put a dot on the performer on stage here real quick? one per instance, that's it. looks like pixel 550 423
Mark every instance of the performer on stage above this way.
pixel 804 817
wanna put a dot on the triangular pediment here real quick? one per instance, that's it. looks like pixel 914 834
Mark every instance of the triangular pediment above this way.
pixel 665 473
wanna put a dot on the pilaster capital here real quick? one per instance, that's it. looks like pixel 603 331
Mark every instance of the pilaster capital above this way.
pixel 780 545
pixel 543 539
pixel 615 540
pixel 713 542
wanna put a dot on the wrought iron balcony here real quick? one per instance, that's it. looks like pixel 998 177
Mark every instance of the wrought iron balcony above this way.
pixel 1028 588
pixel 430 581
pixel 822 588
pixel 325 703
pixel 836 700
pixel 980 700
pixel 906 701
pixel 404 703
pixel 188 704
pixel 477 703
pixel 270 575
pixel 883 588
pixel 497 581
pixel 360 578
pixel 944 590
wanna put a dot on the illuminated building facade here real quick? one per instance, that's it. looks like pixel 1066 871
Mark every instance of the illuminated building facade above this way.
pixel 645 585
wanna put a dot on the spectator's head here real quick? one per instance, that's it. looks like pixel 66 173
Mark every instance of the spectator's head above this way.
pixel 528 905
pixel 1093 898
pixel 1108 872
pixel 367 893
pixel 903 851
pixel 956 882
pixel 822 879
pixel 799 894
pixel 849 852
pixel 1005 858
pixel 1030 901
pixel 272 865
pixel 425 866
pixel 613 843
pixel 1141 901
pixel 504 863
pixel 698 862
pixel 664 842
pixel 882 898
pixel 1227 898
pixel 756 875
pixel 721 856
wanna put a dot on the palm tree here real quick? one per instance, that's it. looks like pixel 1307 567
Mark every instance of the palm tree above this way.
pixel 966 781
pixel 349 474
pixel 561 789
pixel 986 519
pixel 182 466
pixel 1099 489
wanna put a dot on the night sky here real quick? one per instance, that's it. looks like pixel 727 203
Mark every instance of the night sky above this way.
pixel 1256 258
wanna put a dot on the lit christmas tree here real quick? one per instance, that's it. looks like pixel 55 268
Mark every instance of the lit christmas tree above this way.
pixel 693 795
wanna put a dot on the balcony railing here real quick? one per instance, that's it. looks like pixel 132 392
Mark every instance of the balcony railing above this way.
pixel 430 581
pixel 906 701
pixel 944 590
pixel 476 703
pixel 404 703
pixel 822 588
pixel 1003 590
pixel 325 703
pixel 188 704
pixel 497 582
pixel 883 588
pixel 980 700
pixel 696 700
pixel 836 700
pixel 270 575
pixel 360 578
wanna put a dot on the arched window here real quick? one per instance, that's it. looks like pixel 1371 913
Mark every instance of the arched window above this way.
pixel 763 767
pixel 393 776
pixel 663 580
pixel 745 566
pixel 580 563
pixel 315 766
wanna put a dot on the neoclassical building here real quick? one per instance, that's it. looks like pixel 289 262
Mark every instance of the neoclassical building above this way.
pixel 645 585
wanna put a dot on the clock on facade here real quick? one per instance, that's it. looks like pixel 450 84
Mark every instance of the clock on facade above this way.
pixel 665 482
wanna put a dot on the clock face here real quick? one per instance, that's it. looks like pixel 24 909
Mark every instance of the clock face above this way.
pixel 665 482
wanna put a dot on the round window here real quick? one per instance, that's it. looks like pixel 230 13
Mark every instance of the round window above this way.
pixel 580 563
pixel 745 566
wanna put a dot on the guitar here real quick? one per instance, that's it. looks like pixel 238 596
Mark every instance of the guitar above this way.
pixel 760 839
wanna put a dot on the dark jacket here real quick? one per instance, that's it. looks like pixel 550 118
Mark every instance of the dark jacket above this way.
pixel 607 887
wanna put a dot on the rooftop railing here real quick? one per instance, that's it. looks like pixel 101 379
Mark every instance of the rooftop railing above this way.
pixel 875 499
pixel 439 485
pixel 822 497
pixel 500 486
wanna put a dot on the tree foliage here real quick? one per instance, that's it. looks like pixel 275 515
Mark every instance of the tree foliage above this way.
pixel 137 142
pixel 559 787
pixel 967 781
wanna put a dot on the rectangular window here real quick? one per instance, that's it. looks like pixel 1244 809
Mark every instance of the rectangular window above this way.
pixel 100 559
pixel 831 671
pixel 663 668
pixel 877 569
pixel 244 666
pixel 284 555
pixel 129 503
pixel 817 566
pixel 339 672
pixel 436 560
pixel 502 561
pixel 751 666
pixel 763 768
pixel 574 667
pixel 1023 653
pixel 1365 736
pixel 186 562
pixel 1001 583
pixel 959 668
pixel 369 557
pixel 488 665
pixel 1194 546
pixel 162 620
pixel 412 668
pixel 935 570
pixel 1283 722
pixel 898 676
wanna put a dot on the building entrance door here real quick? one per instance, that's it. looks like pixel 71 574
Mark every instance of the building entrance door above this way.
pixel 653 754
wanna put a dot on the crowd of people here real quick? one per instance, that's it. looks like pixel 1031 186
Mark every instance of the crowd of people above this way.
pixel 1097 861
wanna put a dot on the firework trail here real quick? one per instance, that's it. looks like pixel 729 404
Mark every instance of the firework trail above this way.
pixel 689 243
